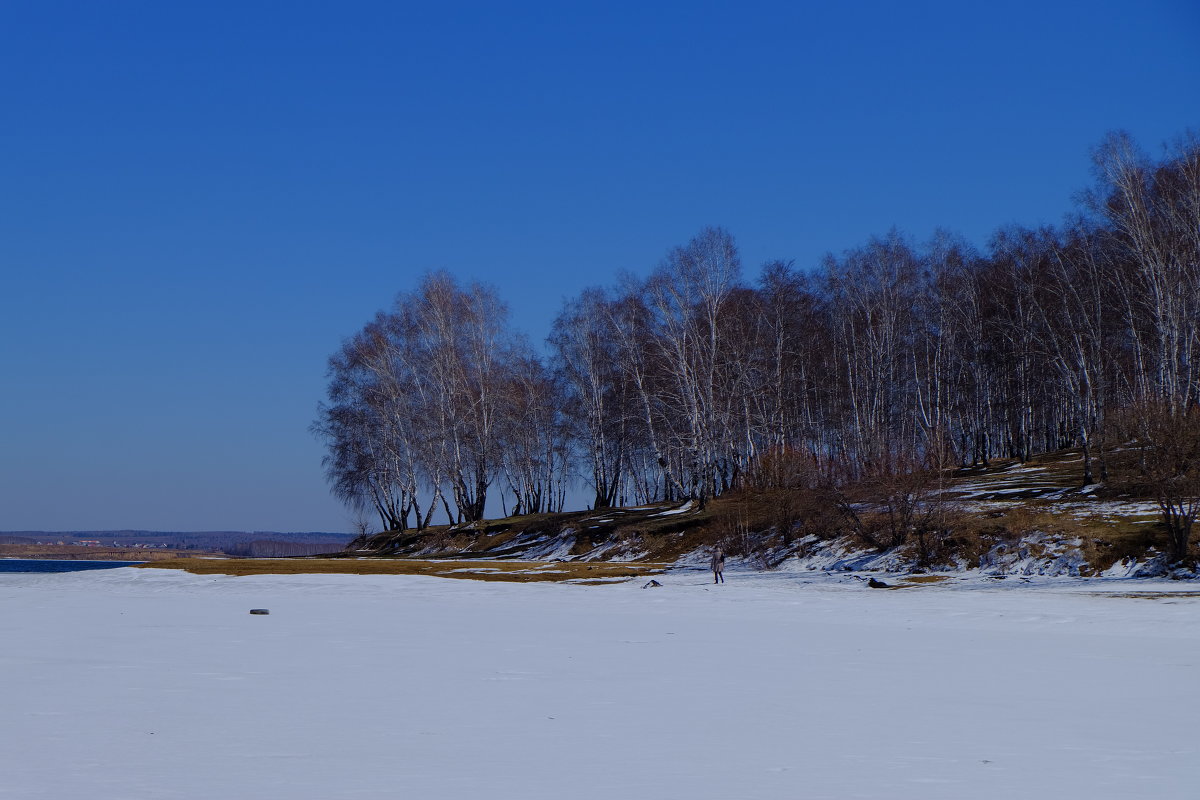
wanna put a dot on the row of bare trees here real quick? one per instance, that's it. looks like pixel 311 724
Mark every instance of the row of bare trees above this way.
pixel 433 402
pixel 888 358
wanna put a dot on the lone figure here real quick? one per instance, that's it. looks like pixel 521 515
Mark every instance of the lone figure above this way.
pixel 718 564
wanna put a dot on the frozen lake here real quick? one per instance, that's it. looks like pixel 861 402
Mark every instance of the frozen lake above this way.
pixel 156 684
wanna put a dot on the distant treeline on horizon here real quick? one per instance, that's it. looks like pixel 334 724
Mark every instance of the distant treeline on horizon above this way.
pixel 216 540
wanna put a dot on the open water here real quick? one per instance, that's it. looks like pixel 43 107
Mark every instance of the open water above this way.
pixel 53 565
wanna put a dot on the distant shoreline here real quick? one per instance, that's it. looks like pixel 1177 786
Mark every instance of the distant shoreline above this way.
pixel 473 569
pixel 68 552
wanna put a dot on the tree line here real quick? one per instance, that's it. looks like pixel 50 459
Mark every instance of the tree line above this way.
pixel 890 358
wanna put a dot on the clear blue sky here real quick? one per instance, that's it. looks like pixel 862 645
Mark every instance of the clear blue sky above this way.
pixel 198 201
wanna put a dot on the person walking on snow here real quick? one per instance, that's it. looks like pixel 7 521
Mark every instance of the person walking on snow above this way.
pixel 718 564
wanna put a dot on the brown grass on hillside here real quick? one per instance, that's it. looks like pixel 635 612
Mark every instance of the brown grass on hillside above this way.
pixel 1104 538
pixel 976 509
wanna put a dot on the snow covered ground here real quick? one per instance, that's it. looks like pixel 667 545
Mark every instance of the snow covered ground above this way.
pixel 158 684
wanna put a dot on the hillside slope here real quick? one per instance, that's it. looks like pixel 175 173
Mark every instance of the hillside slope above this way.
pixel 1030 518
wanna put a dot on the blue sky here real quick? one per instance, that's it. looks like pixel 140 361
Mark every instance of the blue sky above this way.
pixel 199 201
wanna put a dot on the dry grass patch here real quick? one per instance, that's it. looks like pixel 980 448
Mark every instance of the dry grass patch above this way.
pixel 1104 538
pixel 919 580
pixel 475 569
pixel 915 581
pixel 1123 538
pixel 1010 479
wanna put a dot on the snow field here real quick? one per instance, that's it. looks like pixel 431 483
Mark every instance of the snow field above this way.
pixel 157 684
